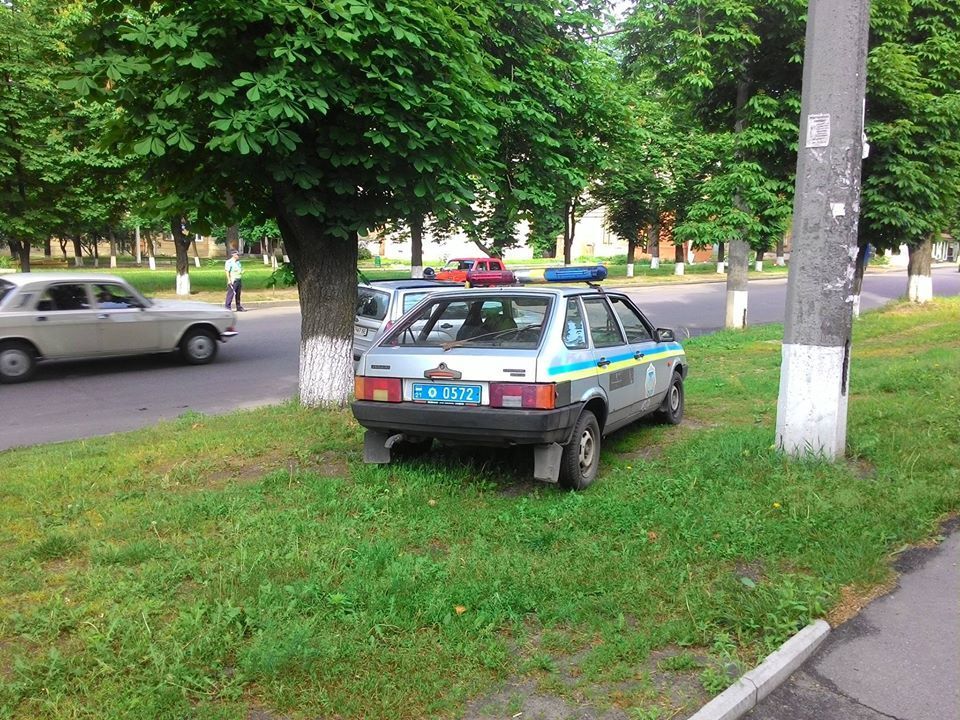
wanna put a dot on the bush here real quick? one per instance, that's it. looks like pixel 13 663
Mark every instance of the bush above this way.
pixel 363 253
pixel 282 277
pixel 6 262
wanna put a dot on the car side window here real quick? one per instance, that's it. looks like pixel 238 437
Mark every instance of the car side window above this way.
pixel 604 328
pixel 64 297
pixel 574 331
pixel 411 299
pixel 371 304
pixel 636 329
pixel 114 297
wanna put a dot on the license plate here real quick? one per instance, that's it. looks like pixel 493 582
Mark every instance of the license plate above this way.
pixel 452 394
pixel 360 331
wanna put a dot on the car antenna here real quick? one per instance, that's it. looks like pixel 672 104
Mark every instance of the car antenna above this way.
pixel 363 278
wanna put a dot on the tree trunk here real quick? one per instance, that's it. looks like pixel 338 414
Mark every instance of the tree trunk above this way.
pixel 780 244
pixel 233 239
pixel 738 260
pixel 569 229
pixel 631 251
pixel 20 250
pixel 919 280
pixel 113 247
pixel 679 255
pixel 859 267
pixel 151 252
pixel 136 242
pixel 326 280
pixel 63 247
pixel 47 249
pixel 416 245
pixel 721 266
pixel 181 243
pixel 196 252
pixel 77 252
pixel 653 244
pixel 758 261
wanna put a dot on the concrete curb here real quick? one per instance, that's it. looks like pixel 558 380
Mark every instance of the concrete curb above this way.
pixel 755 685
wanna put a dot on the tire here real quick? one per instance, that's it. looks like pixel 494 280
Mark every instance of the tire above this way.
pixel 18 362
pixel 671 411
pixel 198 346
pixel 581 456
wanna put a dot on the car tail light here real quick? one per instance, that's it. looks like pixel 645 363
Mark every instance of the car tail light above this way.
pixel 530 396
pixel 380 389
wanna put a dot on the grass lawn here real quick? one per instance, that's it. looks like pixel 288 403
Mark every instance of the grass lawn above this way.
pixel 251 565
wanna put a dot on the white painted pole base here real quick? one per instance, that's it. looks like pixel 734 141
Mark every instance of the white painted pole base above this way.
pixel 721 268
pixel 812 409
pixel 654 263
pixel 920 288
pixel 678 269
pixel 183 284
pixel 416 271
pixel 758 266
pixel 781 262
pixel 856 306
pixel 113 261
pixel 152 263
pixel 736 309
pixel 629 269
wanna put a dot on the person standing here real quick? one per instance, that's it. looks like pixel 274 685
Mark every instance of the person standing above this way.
pixel 234 271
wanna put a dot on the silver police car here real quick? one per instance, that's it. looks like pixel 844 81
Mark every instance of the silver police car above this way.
pixel 556 368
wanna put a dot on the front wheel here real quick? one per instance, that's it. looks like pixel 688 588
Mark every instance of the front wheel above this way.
pixel 672 409
pixel 18 362
pixel 581 456
pixel 198 346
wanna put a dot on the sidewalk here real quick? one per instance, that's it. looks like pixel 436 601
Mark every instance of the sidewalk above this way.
pixel 898 658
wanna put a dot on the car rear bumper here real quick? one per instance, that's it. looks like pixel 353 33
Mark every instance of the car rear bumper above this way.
pixel 469 425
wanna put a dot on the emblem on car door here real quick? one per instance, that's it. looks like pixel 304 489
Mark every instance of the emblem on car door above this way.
pixel 442 372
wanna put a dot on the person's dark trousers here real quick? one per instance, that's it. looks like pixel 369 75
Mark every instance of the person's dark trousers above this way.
pixel 233 291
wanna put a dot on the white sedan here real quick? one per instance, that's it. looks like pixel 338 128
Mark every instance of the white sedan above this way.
pixel 68 316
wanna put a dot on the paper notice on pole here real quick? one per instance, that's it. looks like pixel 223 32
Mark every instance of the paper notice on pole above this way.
pixel 818 130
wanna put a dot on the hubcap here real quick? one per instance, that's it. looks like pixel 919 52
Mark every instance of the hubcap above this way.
pixel 587 450
pixel 674 397
pixel 200 347
pixel 14 363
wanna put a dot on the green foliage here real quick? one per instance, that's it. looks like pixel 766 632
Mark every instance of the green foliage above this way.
pixel 911 180
pixel 283 276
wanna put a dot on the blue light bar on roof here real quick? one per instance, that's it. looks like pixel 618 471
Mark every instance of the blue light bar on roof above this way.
pixel 570 274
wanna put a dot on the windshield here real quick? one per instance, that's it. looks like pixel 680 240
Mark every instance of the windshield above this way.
pixel 490 321
pixel 458 265
pixel 372 303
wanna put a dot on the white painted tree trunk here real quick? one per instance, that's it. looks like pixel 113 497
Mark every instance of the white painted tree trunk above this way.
pixel 77 261
pixel 654 263
pixel 136 242
pixel 152 263
pixel 113 261
pixel 920 288
pixel 721 267
pixel 416 271
pixel 325 379
pixel 856 306
pixel 629 269
pixel 781 262
pixel 183 284
pixel 678 269
pixel 758 266
pixel 736 309
pixel 273 262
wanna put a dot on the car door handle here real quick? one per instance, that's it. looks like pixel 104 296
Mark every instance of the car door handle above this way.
pixel 445 326
pixel 638 355
pixel 602 362
pixel 103 316
pixel 42 318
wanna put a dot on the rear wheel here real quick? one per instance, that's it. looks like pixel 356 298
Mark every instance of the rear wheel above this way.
pixel 18 361
pixel 581 456
pixel 672 409
pixel 198 346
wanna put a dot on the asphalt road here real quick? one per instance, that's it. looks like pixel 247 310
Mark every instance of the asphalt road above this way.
pixel 67 401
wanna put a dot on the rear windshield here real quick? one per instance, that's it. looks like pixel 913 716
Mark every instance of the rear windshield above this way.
pixel 372 303
pixel 6 287
pixel 494 321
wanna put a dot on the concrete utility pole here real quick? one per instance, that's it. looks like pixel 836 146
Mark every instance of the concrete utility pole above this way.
pixel 814 374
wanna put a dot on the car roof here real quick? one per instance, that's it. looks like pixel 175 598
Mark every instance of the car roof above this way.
pixel 538 289
pixel 21 279
pixel 408 284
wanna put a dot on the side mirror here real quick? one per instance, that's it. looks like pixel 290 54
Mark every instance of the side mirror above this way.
pixel 665 335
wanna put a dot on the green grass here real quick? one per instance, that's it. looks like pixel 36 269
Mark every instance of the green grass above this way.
pixel 212 566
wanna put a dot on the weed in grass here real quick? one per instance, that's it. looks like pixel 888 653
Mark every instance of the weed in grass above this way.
pixel 714 680
pixel 54 547
pixel 680 663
